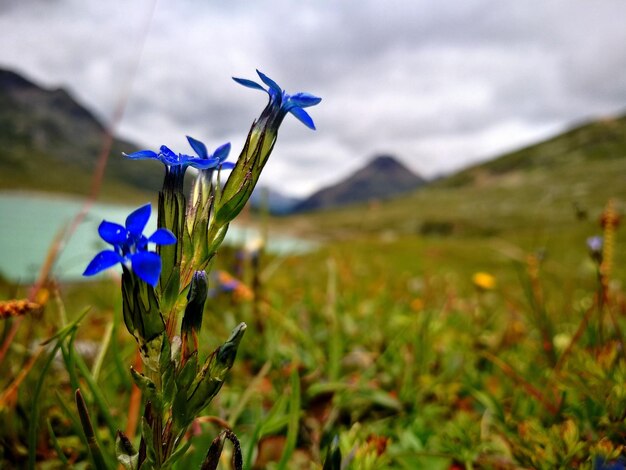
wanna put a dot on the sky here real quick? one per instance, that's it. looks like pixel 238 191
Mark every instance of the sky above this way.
pixel 440 85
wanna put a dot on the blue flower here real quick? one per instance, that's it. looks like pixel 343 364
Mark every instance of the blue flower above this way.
pixel 595 244
pixel 600 463
pixel 180 162
pixel 282 103
pixel 130 247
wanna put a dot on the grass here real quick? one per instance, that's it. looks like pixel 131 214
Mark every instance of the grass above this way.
pixel 393 349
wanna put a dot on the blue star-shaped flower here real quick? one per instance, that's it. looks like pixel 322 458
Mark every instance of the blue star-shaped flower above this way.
pixel 180 162
pixel 130 247
pixel 281 101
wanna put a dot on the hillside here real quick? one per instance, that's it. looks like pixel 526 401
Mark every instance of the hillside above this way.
pixel 381 178
pixel 529 193
pixel 44 129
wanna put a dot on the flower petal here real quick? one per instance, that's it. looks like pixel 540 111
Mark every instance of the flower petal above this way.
pixel 274 88
pixel 226 166
pixel 162 237
pixel 202 163
pixel 303 117
pixel 137 220
pixel 103 260
pixel 249 83
pixel 147 266
pixel 198 147
pixel 221 153
pixel 141 243
pixel 112 233
pixel 167 156
pixel 142 154
pixel 304 100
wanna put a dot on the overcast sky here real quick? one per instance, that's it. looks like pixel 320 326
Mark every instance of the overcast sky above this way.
pixel 438 84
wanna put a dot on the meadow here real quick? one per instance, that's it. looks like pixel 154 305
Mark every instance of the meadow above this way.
pixel 456 338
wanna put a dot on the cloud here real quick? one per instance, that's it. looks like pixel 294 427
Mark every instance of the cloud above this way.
pixel 439 84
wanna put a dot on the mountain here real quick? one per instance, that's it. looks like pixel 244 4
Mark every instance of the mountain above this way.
pixel 551 190
pixel 45 130
pixel 381 178
pixel 592 142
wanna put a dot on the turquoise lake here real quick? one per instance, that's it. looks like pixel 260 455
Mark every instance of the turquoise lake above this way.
pixel 29 223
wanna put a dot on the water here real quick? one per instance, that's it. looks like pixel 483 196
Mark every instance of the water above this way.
pixel 29 222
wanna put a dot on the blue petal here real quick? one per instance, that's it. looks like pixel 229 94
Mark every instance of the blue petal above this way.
pixel 168 157
pixel 112 233
pixel 198 147
pixel 304 100
pixel 202 163
pixel 141 243
pixel 162 237
pixel 227 166
pixel 274 88
pixel 103 260
pixel 229 286
pixel 137 220
pixel 249 83
pixel 303 117
pixel 142 154
pixel 147 266
pixel 221 153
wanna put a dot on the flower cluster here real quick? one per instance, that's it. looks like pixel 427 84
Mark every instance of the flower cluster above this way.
pixel 180 162
pixel 160 286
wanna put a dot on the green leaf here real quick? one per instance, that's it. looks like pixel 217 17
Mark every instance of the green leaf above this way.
pixel 231 208
pixel 148 439
pixel 125 452
pixel 187 375
pixel 177 454
pixel 294 420
pixel 333 457
pixel 146 385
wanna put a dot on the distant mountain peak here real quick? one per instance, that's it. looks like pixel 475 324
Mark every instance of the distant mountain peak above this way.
pixel 384 161
pixel 47 128
pixel 383 177
pixel 11 80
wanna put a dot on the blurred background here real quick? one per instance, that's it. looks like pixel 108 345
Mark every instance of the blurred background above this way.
pixel 420 260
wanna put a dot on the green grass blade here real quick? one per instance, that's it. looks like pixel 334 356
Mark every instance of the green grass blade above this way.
pixel 294 419
pixel 56 445
pixel 96 392
pixel 104 347
pixel 34 407
pixel 94 447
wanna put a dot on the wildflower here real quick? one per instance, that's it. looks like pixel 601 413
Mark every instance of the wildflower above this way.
pixel 417 304
pixel 229 284
pixel 282 103
pixel 259 145
pixel 561 341
pixel 177 164
pixel 601 463
pixel 595 245
pixel 130 247
pixel 203 161
pixel 484 281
